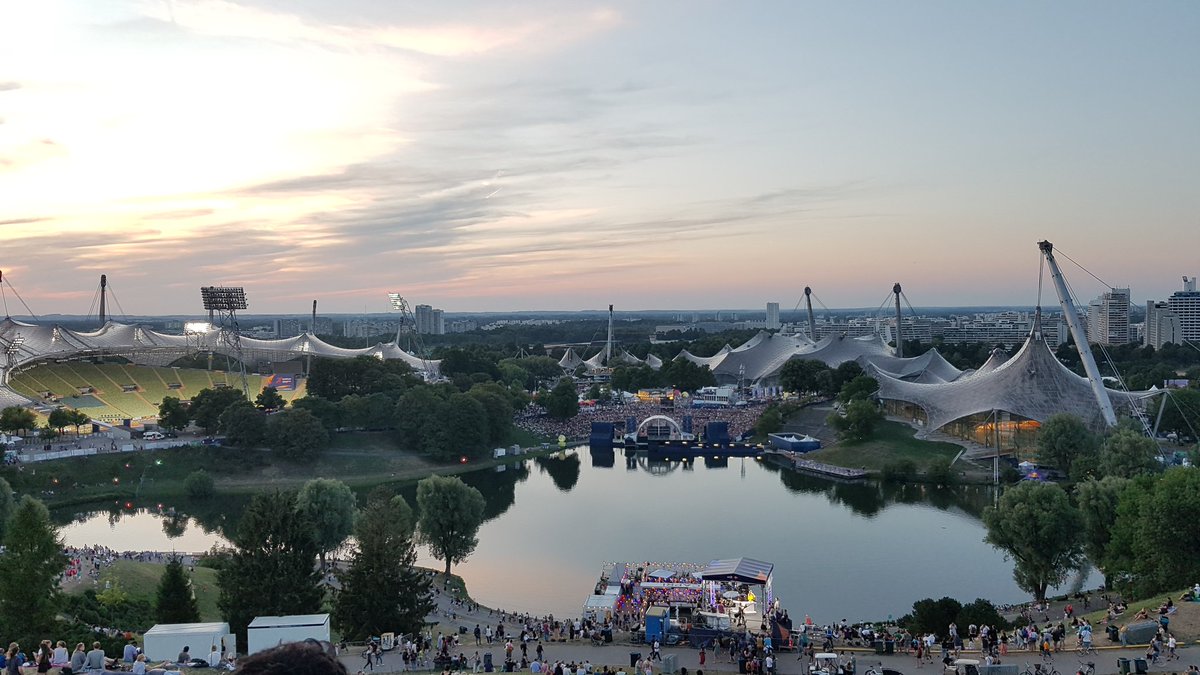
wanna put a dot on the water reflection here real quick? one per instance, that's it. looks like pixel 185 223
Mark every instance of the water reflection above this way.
pixel 853 550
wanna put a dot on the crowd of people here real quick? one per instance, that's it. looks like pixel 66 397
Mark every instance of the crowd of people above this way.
pixel 87 562
pixel 535 420
pixel 49 656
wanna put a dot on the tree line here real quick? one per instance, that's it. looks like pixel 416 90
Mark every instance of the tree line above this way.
pixel 1119 511
pixel 275 565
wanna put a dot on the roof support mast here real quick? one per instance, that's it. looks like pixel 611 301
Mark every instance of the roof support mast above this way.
pixel 608 345
pixel 103 304
pixel 1080 336
pixel 899 337
pixel 812 321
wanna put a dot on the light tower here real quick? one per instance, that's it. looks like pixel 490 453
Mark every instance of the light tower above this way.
pixel 227 300
pixel 899 337
pixel 399 304
pixel 1077 332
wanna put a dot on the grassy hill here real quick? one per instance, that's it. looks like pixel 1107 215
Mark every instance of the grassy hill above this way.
pixel 140 581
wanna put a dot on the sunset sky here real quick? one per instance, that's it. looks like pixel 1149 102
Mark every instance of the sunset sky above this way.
pixel 565 155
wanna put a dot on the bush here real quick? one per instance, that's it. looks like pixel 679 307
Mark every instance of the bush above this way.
pixel 981 613
pixel 940 472
pixel 199 485
pixel 899 471
pixel 1009 474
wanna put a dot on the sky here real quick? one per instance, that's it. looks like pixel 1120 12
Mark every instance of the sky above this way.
pixel 489 156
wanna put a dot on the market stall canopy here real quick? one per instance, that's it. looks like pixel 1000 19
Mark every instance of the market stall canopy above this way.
pixel 662 574
pixel 739 570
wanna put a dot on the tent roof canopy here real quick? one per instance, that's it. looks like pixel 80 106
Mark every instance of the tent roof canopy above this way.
pixel 740 570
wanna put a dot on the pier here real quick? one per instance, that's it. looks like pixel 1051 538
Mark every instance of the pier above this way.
pixel 820 468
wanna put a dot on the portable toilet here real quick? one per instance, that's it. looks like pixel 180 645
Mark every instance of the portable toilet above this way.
pixel 658 621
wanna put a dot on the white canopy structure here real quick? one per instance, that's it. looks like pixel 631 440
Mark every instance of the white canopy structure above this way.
pixel 25 344
pixel 1033 385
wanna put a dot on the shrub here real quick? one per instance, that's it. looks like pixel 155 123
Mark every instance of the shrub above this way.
pixel 940 472
pixel 899 471
pixel 199 485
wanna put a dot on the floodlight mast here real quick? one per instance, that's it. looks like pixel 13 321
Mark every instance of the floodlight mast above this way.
pixel 399 304
pixel 1077 332
pixel 227 300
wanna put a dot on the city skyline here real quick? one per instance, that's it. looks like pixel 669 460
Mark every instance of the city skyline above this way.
pixel 558 156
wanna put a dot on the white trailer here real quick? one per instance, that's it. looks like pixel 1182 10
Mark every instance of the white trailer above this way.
pixel 164 641
pixel 270 631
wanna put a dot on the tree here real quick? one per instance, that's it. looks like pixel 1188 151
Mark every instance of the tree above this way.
pixel 563 401
pixel 208 404
pixel 464 427
pixel 980 613
pixel 414 410
pixel 29 572
pixel 6 506
pixel 769 422
pixel 323 409
pixel 172 414
pixel 328 506
pixel 297 435
pixel 1128 453
pixel 1036 525
pixel 78 418
pixel 1063 440
pixel 271 571
pixel 243 425
pixel 175 603
pixel 269 399
pixel 199 485
pixel 499 408
pixel 933 616
pixel 804 375
pixel 685 375
pixel 859 389
pixel 858 424
pixel 1155 541
pixel 451 513
pixel 381 590
pixel 59 419
pixel 1098 501
pixel 15 419
pixel 1182 413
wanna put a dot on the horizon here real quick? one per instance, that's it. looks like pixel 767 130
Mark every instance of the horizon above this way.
pixel 553 155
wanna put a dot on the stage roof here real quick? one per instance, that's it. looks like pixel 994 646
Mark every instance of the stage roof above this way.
pixel 739 570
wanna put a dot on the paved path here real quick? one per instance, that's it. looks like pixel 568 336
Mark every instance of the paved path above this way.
pixel 617 654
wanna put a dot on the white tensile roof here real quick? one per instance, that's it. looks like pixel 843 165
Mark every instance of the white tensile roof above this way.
pixel 1033 385
pixel 147 347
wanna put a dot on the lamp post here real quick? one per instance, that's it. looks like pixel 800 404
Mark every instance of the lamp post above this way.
pixel 138 491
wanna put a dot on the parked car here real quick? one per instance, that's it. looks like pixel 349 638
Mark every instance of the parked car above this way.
pixel 153 436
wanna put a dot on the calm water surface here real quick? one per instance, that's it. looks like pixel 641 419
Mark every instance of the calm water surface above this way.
pixel 854 551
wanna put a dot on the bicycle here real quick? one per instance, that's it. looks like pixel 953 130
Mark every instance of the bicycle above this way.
pixel 1088 668
pixel 1039 669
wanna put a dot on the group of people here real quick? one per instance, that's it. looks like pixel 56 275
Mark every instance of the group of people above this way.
pixel 50 656
pixel 88 561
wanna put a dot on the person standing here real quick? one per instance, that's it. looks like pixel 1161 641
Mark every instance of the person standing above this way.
pixel 703 655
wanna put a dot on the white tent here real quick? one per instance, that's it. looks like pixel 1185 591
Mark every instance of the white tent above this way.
pixel 270 631
pixel 600 607
pixel 662 574
pixel 164 641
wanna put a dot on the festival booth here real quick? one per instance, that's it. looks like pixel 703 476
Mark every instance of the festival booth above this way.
pixel 742 571
pixel 165 641
pixel 265 632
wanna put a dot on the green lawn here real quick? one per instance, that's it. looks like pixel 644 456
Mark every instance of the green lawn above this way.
pixel 892 441
pixel 140 581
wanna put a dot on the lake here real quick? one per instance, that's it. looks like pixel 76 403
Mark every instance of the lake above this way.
pixel 841 550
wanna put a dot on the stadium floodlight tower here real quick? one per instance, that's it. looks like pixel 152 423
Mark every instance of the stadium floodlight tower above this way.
pixel 225 301
pixel 1077 332
pixel 399 304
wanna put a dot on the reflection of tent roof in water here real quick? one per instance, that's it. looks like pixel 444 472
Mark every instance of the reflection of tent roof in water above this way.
pixel 738 570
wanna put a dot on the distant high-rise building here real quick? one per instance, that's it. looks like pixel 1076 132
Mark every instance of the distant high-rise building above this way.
pixel 1162 325
pixel 1108 318
pixel 1186 305
pixel 430 321
pixel 773 316
pixel 285 328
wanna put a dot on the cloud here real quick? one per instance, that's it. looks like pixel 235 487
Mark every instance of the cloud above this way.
pixel 9 85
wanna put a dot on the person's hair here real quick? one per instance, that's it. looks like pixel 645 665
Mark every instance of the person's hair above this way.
pixel 185 648
pixel 96 644
pixel 309 657
pixel 78 645
pixel 62 644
